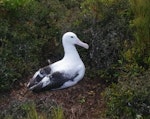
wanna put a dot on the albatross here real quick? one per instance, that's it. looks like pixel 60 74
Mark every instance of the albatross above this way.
pixel 64 73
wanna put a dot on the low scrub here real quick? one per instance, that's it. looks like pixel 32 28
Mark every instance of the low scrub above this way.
pixel 43 109
pixel 25 27
pixel 130 98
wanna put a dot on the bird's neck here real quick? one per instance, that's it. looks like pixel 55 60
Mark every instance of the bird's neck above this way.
pixel 71 53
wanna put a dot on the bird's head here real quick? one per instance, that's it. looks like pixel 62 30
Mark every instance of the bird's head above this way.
pixel 72 39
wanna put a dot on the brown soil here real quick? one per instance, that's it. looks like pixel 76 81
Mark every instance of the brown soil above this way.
pixel 82 101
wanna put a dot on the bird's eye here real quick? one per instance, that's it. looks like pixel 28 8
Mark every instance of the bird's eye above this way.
pixel 71 36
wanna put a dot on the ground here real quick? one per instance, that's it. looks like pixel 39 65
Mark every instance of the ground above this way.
pixel 82 101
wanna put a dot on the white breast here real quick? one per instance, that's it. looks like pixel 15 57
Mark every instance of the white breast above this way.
pixel 67 66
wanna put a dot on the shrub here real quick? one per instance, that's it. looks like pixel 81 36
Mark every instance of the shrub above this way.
pixel 25 27
pixel 140 50
pixel 129 98
pixel 39 109
pixel 104 25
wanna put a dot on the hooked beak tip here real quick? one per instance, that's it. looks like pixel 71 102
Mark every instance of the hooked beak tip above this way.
pixel 82 44
pixel 87 46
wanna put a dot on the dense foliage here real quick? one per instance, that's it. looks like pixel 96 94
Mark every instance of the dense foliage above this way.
pixel 130 97
pixel 139 52
pixel 25 26
pixel 108 26
pixel 140 24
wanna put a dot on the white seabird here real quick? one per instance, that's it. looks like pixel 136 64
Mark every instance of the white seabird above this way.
pixel 64 73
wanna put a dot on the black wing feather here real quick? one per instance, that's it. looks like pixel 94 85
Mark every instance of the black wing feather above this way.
pixel 58 79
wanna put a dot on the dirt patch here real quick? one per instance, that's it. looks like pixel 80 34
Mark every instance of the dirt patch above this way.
pixel 82 101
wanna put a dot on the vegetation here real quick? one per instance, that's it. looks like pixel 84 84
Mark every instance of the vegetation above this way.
pixel 107 28
pixel 25 27
pixel 119 37
pixel 139 52
pixel 31 110
pixel 140 22
pixel 130 97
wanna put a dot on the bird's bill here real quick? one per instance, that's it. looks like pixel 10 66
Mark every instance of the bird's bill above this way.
pixel 82 44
